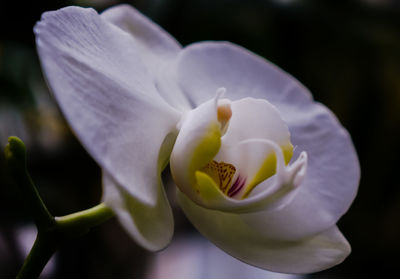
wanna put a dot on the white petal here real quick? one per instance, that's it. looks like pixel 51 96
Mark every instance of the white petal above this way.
pixel 252 244
pixel 198 141
pixel 332 177
pixel 157 49
pixel 204 66
pixel 151 226
pixel 333 170
pixel 148 34
pixel 107 95
pixel 203 260
pixel 254 119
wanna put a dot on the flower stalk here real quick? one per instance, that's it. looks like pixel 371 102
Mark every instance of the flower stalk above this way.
pixel 81 222
pixel 46 244
pixel 52 231
pixel 15 154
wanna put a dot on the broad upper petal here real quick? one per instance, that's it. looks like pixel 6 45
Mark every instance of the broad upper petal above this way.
pixel 151 37
pixel 157 49
pixel 248 239
pixel 333 170
pixel 204 66
pixel 107 95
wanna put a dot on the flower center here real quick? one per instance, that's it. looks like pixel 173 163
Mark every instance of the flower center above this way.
pixel 222 173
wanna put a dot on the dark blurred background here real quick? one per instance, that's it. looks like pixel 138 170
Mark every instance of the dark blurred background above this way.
pixel 346 52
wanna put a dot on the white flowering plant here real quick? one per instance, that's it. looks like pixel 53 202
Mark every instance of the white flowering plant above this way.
pixel 260 168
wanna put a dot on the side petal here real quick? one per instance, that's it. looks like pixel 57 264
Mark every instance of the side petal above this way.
pixel 333 175
pixel 238 236
pixel 333 172
pixel 150 226
pixel 157 49
pixel 107 95
pixel 198 141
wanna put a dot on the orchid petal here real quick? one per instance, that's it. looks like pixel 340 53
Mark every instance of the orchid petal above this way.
pixel 157 49
pixel 151 226
pixel 255 118
pixel 202 260
pixel 241 237
pixel 107 95
pixel 198 141
pixel 333 169
pixel 204 66
pixel 151 37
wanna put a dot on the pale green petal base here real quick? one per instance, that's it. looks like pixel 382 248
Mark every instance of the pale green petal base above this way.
pixel 151 227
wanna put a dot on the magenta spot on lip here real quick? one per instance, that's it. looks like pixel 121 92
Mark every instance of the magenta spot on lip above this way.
pixel 237 186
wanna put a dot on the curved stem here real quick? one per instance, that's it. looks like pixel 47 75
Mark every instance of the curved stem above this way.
pixel 65 227
pixel 81 222
pixel 51 231
pixel 15 154
pixel 44 247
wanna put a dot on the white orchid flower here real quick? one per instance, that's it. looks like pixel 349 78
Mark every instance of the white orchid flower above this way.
pixel 224 119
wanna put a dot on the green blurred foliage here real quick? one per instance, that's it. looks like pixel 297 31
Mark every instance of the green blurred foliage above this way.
pixel 345 52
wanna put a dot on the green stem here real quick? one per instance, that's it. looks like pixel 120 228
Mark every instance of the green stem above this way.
pixel 44 247
pixel 81 222
pixel 15 154
pixel 52 232
pixel 65 227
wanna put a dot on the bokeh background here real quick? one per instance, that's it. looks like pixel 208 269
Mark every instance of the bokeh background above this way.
pixel 347 52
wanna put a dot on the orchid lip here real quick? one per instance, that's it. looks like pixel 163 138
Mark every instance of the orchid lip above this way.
pixel 286 180
pixel 236 180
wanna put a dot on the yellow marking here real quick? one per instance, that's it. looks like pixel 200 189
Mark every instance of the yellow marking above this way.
pixel 287 152
pixel 212 170
pixel 207 187
pixel 205 151
pixel 268 168
pixel 222 173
